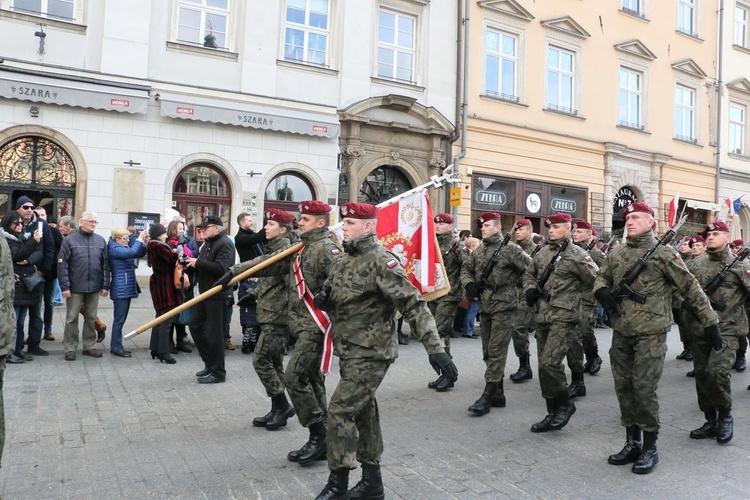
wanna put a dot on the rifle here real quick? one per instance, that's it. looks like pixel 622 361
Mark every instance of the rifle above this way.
pixel 451 249
pixel 484 281
pixel 592 244
pixel 623 290
pixel 536 250
pixel 606 247
pixel 550 269
pixel 717 280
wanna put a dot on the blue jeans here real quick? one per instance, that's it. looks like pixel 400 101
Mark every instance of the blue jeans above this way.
pixel 49 288
pixel 21 312
pixel 471 316
pixel 120 313
pixel 35 321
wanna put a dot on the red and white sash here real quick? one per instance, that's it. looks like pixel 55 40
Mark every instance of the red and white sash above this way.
pixel 320 317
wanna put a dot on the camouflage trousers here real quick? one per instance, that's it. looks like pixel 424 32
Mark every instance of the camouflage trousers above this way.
pixel 553 343
pixel 353 419
pixel 496 331
pixel 520 331
pixel 444 311
pixel 713 371
pixel 303 379
pixel 584 338
pixel 268 358
pixel 637 364
pixel 2 414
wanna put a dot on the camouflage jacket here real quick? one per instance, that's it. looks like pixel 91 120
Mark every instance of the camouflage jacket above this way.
pixel 733 291
pixel 368 285
pixel 573 277
pixel 664 271
pixel 598 257
pixel 453 259
pixel 273 283
pixel 506 274
pixel 7 313
pixel 527 245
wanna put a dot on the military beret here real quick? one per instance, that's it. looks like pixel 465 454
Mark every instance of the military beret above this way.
pixel 582 224
pixel 353 210
pixel 488 216
pixel 638 207
pixel 523 222
pixel 280 216
pixel 594 232
pixel 557 218
pixel 737 243
pixel 314 207
pixel 696 239
pixel 716 225
pixel 211 220
pixel 444 218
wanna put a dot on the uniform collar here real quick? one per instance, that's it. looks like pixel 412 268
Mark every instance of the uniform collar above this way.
pixel 314 235
pixel 644 240
pixel 719 255
pixel 361 245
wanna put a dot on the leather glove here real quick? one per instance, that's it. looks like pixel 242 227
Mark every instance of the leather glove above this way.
pixel 608 302
pixel 223 282
pixel 714 335
pixel 677 314
pixel 443 365
pixel 472 290
pixel 322 298
pixel 532 296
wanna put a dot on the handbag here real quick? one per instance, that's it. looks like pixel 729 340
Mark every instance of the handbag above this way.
pixel 181 279
pixel 32 281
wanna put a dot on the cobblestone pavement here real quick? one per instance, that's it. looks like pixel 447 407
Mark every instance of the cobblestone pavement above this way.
pixel 137 428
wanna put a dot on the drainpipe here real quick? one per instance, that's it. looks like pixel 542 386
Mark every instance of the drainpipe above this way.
pixel 465 98
pixel 720 77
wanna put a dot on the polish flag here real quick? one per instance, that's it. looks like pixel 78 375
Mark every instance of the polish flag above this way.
pixel 730 206
pixel 673 210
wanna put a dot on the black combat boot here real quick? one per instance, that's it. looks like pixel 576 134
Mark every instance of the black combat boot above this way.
pixel 725 426
pixel 577 387
pixel 316 445
pixel 498 399
pixel 371 485
pixel 565 410
pixel 524 371
pixel 283 412
pixel 263 421
pixel 632 449
pixel 246 340
pixel 707 430
pixel 686 352
pixel 435 383
pixel 338 482
pixel 649 457
pixel 444 385
pixel 740 364
pixel 482 405
pixel 403 339
pixel 595 365
pixel 543 426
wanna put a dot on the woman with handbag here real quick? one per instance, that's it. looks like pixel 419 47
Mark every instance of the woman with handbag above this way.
pixel 162 259
pixel 183 281
pixel 28 279
pixel 123 286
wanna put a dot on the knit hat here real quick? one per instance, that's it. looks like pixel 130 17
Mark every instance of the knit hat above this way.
pixel 23 200
pixel 156 230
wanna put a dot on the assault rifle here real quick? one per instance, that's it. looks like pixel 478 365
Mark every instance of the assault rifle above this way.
pixel 550 269
pixel 608 246
pixel 484 281
pixel 623 290
pixel 536 250
pixel 717 280
pixel 592 244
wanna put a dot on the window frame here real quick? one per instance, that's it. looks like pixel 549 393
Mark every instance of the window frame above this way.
pixel 307 30
pixel 742 126
pixel 78 12
pixel 693 138
pixel 640 123
pixel 515 97
pixel 574 109
pixel 744 42
pixel 693 6
pixel 414 51
pixel 639 11
pixel 229 35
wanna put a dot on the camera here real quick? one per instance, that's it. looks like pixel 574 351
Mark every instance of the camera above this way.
pixel 182 240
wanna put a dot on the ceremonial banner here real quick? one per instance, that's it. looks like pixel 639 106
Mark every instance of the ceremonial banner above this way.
pixel 673 210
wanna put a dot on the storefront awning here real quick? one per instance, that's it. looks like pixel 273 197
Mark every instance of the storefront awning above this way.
pixel 702 205
pixel 260 117
pixel 79 94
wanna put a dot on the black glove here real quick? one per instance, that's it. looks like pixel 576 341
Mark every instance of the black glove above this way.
pixel 322 298
pixel 443 365
pixel 532 296
pixel 677 314
pixel 472 290
pixel 714 335
pixel 223 282
pixel 608 302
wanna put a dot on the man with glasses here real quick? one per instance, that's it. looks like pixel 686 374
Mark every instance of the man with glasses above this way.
pixel 51 277
pixel 83 271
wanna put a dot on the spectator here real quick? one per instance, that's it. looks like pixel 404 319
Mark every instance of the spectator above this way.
pixel 471 312
pixel 50 280
pixel 83 271
pixel 162 259
pixel 65 225
pixel 177 240
pixel 22 247
pixel 7 325
pixel 249 246
pixel 123 286
pixel 538 239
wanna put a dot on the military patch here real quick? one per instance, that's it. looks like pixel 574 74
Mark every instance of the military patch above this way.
pixel 677 254
pixel 335 251
pixel 588 258
pixel 391 263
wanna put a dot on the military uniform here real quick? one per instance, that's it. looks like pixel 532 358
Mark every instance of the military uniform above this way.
pixel 444 308
pixel 7 325
pixel 523 316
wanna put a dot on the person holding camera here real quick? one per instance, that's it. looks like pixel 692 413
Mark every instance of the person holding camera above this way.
pixel 178 240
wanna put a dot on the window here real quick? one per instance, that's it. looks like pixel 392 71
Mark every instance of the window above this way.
pixel 629 99
pixel 684 114
pixel 560 80
pixel 633 7
pixel 55 9
pixel 740 25
pixel 203 22
pixel 737 129
pixel 501 57
pixel 686 17
pixel 396 46
pixel 306 34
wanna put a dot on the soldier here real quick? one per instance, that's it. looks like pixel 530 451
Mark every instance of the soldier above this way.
pixel 740 365
pixel 559 314
pixel 498 303
pixel 698 246
pixel 444 308
pixel 365 288
pixel 523 320
pixel 7 324
pixel 640 330
pixel 686 253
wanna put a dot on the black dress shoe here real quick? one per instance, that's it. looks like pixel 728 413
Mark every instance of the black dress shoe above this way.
pixel 203 373
pixel 101 334
pixel 121 353
pixel 211 379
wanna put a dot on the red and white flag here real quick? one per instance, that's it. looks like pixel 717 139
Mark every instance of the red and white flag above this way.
pixel 673 205
pixel 730 206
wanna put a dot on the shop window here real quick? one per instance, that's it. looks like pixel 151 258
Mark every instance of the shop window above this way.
pixel 201 190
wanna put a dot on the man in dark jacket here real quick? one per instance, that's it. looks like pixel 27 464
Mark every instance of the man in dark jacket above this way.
pixel 51 277
pixel 248 243
pixel 215 257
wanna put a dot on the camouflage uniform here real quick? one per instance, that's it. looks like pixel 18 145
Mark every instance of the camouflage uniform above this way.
pixel 498 309
pixel 587 340
pixel 444 308
pixel 523 316
pixel 7 324
pixel 558 321
pixel 640 332
pixel 367 286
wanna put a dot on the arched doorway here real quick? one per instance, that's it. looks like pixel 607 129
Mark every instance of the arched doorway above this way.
pixel 286 189
pixel 200 190
pixel 40 169
pixel 383 183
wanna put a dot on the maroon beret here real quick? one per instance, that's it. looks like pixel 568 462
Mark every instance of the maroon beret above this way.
pixel 314 207
pixel 594 232
pixel 696 239
pixel 280 216
pixel 488 216
pixel 353 210
pixel 716 225
pixel 638 207
pixel 444 218
pixel 523 222
pixel 557 219
pixel 737 243
pixel 582 224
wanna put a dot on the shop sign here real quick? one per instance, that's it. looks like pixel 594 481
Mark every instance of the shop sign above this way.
pixel 563 205
pixel 533 203
pixel 624 197
pixel 495 198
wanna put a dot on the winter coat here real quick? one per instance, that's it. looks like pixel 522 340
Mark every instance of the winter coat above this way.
pixel 215 258
pixel 83 263
pixel 46 249
pixel 122 269
pixel 162 260
pixel 21 248
pixel 7 314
